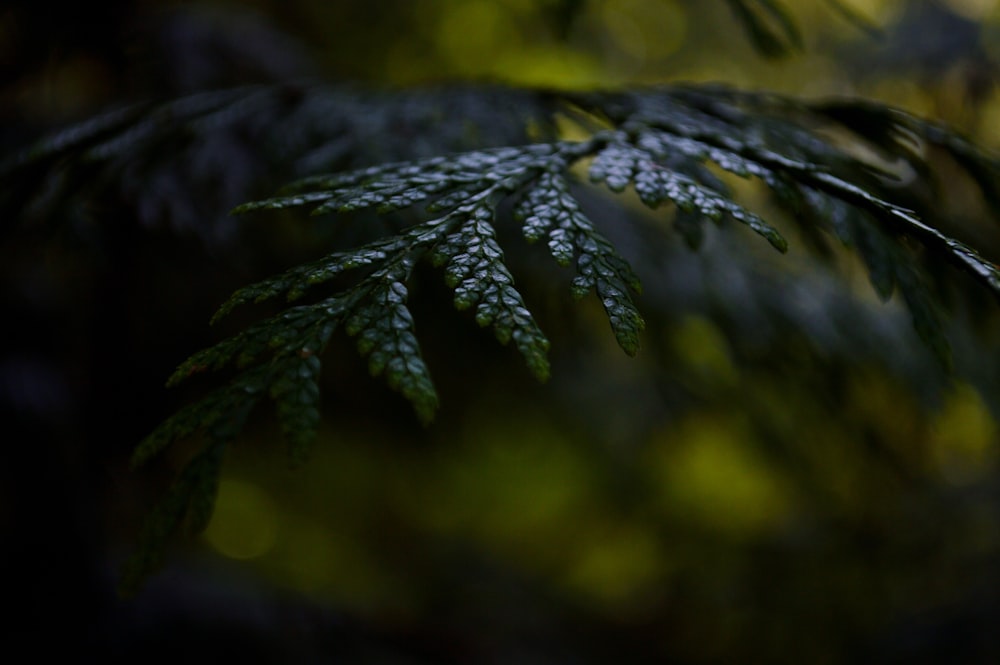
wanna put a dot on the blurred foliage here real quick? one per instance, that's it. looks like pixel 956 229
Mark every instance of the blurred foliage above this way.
pixel 783 474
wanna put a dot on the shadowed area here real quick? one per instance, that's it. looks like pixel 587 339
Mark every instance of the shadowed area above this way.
pixel 784 472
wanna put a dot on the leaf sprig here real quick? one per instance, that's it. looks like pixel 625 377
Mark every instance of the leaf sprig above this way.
pixel 674 147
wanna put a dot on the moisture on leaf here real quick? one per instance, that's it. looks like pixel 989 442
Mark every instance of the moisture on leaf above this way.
pixel 385 333
pixel 446 203
pixel 474 267
pixel 661 142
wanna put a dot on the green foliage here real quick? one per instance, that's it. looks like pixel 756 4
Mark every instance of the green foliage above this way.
pixel 185 162
pixel 674 146
pixel 191 498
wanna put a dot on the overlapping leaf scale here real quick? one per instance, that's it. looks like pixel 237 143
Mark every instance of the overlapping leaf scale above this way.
pixel 285 348
pixel 295 391
pixel 615 165
pixel 710 128
pixel 548 207
pixel 283 351
pixel 471 185
pixel 711 122
pixel 655 184
pixel 287 332
pixel 440 182
pixel 368 187
pixel 544 210
pixel 384 327
pixel 475 269
pixel 662 145
pixel 687 161
pixel 666 147
pixel 294 282
pixel 293 372
pixel 240 350
pixel 388 193
pixel 741 135
pixel 601 268
pixel 218 413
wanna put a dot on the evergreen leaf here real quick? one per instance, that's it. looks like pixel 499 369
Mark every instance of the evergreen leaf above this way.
pixel 856 230
pixel 900 134
pixel 74 137
pixel 898 217
pixel 443 182
pixel 549 206
pixel 385 330
pixel 214 413
pixel 191 496
pixel 295 391
pixel 475 268
pixel 678 145
pixel 294 282
pixel 655 184
pixel 888 268
pixel 288 332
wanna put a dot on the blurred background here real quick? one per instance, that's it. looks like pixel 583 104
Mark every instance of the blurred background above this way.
pixel 783 474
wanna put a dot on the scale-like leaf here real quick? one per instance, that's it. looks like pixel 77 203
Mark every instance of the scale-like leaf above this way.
pixel 294 282
pixel 549 207
pixel 474 267
pixel 443 182
pixel 295 391
pixel 678 145
pixel 655 184
pixel 385 331
pixel 213 412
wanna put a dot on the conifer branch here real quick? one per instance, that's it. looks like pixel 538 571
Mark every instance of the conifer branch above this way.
pixel 675 147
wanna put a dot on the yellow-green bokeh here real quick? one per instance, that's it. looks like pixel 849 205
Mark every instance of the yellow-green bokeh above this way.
pixel 245 522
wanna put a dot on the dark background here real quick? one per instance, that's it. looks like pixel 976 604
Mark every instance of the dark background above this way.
pixel 784 474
